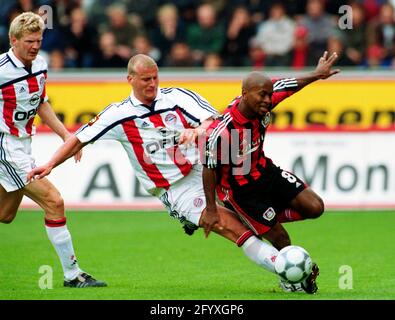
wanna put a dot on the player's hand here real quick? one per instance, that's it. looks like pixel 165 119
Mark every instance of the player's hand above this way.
pixel 325 64
pixel 78 156
pixel 189 136
pixel 209 219
pixel 39 172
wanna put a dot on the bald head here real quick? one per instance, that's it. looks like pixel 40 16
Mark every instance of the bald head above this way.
pixel 140 61
pixel 256 95
pixel 254 79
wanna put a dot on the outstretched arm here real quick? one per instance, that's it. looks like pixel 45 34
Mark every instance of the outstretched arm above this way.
pixel 284 88
pixel 323 70
pixel 70 147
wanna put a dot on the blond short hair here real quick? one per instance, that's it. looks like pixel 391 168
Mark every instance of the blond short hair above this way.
pixel 27 22
pixel 141 59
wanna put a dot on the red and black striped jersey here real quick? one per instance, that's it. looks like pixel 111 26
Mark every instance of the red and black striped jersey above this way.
pixel 235 144
pixel 21 93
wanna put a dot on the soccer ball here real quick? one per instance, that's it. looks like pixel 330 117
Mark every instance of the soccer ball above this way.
pixel 293 264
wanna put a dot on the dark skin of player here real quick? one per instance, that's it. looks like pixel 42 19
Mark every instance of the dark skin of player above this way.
pixel 256 101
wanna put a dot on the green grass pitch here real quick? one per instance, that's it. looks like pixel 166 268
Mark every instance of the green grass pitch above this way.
pixel 147 256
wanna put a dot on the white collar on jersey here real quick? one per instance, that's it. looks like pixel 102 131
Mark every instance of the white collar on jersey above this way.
pixel 136 102
pixel 18 63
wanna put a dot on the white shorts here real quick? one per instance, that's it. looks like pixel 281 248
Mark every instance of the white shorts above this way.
pixel 185 199
pixel 16 161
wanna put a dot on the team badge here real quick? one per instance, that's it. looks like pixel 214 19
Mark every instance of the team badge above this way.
pixel 93 120
pixel 34 100
pixel 198 202
pixel 267 119
pixel 269 214
pixel 170 118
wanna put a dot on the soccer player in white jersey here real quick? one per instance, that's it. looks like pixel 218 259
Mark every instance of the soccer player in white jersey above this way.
pixel 22 95
pixel 154 126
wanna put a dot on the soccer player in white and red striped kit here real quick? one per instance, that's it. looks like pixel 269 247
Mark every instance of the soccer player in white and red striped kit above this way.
pixel 153 124
pixel 23 74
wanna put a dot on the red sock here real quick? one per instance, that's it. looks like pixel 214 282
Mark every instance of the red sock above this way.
pixel 55 223
pixel 244 237
pixel 289 215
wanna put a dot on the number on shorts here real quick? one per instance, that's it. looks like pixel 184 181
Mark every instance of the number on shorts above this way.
pixel 289 176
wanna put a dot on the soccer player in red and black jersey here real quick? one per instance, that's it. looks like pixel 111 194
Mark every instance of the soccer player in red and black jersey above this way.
pixel 262 194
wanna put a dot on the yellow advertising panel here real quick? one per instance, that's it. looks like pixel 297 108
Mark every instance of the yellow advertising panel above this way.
pixel 356 104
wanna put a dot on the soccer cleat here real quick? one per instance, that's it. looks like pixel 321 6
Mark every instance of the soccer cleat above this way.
pixel 310 284
pixel 84 280
pixel 189 228
pixel 291 287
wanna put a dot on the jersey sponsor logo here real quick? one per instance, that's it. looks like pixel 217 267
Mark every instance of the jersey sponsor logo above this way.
pixel 22 115
pixel 198 202
pixel 22 90
pixel 145 125
pixel 34 100
pixel 93 120
pixel 247 148
pixel 269 214
pixel 170 118
pixel 155 146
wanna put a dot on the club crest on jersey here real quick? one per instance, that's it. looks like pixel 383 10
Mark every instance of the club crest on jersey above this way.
pixel 266 119
pixel 170 118
pixel 269 214
pixel 34 100
pixel 198 202
pixel 93 120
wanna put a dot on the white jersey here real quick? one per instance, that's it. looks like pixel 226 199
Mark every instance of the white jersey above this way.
pixel 149 134
pixel 21 93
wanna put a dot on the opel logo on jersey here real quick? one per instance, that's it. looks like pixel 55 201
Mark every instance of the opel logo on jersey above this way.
pixel 24 115
pixel 267 119
pixel 170 118
pixel 34 100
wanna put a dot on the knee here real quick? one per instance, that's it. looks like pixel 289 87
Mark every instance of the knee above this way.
pixel 7 219
pixel 318 208
pixel 314 209
pixel 55 204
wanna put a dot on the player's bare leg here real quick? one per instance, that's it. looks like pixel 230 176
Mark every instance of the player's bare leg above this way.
pixel 254 248
pixel 277 236
pixel 306 205
pixel 44 193
pixel 9 204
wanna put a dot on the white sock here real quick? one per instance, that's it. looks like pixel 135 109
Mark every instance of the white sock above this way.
pixel 61 240
pixel 260 252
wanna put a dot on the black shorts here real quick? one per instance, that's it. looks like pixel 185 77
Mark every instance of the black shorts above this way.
pixel 257 203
